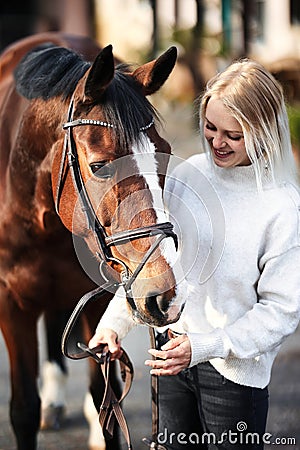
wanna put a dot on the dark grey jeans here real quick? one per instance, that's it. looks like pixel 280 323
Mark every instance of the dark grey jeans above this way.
pixel 199 408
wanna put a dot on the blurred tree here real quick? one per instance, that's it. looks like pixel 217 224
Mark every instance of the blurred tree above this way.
pixel 226 25
pixel 193 53
pixel 247 16
pixel 78 17
pixel 155 34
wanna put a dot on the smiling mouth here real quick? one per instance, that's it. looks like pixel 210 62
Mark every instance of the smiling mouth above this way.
pixel 221 154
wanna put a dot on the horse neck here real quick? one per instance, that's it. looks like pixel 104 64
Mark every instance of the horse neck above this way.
pixel 28 174
pixel 47 118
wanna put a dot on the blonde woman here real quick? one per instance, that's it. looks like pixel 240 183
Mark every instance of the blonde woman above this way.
pixel 214 364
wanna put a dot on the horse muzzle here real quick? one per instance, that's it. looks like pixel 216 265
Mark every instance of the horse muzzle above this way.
pixel 156 310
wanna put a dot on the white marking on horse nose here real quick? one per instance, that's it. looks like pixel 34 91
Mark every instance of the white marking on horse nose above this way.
pixel 144 155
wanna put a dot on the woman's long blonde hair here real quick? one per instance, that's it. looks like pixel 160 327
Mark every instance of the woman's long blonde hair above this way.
pixel 255 99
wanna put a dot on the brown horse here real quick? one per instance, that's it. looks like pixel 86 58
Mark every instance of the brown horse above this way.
pixel 88 180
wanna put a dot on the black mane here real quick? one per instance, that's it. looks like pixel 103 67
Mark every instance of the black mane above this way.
pixel 49 71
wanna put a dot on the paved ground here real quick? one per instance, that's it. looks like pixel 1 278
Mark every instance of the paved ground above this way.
pixel 74 433
pixel 284 417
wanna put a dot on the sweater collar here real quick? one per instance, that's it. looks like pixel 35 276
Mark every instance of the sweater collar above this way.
pixel 239 177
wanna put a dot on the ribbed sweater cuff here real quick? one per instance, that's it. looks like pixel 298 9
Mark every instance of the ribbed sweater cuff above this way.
pixel 120 325
pixel 208 346
pixel 117 316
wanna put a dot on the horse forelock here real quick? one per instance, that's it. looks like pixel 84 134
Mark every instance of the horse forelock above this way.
pixel 126 108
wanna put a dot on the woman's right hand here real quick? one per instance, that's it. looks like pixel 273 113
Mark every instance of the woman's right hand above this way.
pixel 108 338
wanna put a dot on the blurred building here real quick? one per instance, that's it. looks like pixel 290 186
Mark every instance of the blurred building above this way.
pixel 220 31
pixel 266 29
pixel 208 33
pixel 20 18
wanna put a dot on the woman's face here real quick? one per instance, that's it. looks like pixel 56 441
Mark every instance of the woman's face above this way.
pixel 224 135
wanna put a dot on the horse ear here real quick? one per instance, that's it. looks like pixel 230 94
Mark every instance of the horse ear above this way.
pixel 100 74
pixel 151 76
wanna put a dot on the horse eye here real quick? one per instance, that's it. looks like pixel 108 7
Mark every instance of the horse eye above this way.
pixel 102 170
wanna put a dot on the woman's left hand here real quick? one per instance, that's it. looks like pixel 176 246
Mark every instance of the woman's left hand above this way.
pixel 174 356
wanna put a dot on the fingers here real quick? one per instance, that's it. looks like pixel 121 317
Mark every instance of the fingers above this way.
pixel 173 343
pixel 175 370
pixel 168 366
pixel 174 357
pixel 109 338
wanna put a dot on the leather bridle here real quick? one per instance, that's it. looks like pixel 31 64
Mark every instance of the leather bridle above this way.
pixel 105 242
pixel 110 409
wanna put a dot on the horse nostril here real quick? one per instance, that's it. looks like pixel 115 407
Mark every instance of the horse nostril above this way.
pixel 162 302
pixel 157 304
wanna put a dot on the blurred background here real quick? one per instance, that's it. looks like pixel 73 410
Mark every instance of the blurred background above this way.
pixel 209 34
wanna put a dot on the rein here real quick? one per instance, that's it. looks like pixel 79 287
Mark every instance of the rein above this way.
pixel 110 409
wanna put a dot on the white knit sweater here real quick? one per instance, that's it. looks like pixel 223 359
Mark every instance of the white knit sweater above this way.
pixel 240 250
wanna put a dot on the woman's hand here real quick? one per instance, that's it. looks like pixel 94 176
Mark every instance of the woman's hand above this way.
pixel 174 356
pixel 108 338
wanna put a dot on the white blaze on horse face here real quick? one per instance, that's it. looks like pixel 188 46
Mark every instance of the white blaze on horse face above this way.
pixel 145 159
pixel 146 162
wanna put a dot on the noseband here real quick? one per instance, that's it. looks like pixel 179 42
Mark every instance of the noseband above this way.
pixel 104 241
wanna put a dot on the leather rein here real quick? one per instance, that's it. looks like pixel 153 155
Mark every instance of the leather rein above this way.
pixel 110 408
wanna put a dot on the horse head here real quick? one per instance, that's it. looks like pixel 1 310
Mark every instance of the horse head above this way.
pixel 111 194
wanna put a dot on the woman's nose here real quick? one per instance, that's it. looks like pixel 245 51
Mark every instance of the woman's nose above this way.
pixel 218 142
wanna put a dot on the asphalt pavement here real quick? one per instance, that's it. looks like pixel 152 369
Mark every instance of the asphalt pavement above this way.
pixel 284 416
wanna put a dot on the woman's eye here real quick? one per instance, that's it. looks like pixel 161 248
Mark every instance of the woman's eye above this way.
pixel 235 138
pixel 209 126
pixel 102 170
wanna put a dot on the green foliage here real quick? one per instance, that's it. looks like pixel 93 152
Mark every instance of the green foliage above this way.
pixel 294 122
pixel 184 37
